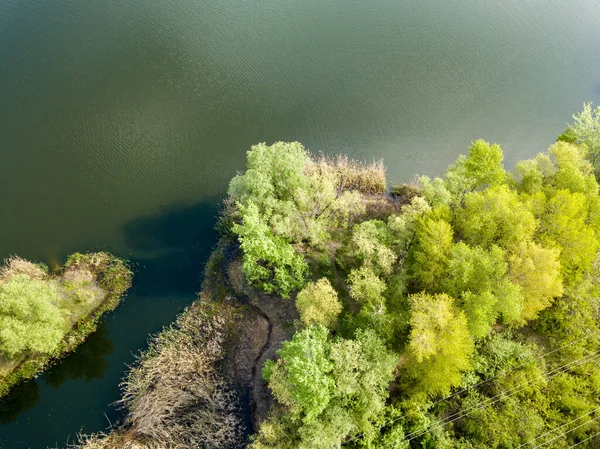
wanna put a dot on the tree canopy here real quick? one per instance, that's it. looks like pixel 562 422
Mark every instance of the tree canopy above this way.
pixel 482 281
pixel 30 319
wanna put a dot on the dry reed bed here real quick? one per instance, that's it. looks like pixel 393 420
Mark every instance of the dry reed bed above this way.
pixel 175 396
pixel 365 177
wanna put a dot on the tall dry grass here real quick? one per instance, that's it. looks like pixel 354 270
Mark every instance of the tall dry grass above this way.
pixel 14 265
pixel 175 397
pixel 365 177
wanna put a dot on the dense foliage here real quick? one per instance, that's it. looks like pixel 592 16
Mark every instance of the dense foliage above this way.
pixel 31 316
pixel 463 316
pixel 43 315
pixel 30 319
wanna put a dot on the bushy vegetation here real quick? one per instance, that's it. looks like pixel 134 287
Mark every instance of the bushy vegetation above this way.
pixel 44 316
pixel 466 317
pixel 284 200
pixel 30 319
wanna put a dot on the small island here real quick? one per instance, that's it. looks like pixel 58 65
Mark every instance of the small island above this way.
pixel 44 315
pixel 454 312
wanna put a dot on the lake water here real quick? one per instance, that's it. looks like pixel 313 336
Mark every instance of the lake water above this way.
pixel 122 121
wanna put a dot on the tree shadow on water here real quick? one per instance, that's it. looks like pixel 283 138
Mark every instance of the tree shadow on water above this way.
pixel 87 362
pixel 22 397
pixel 170 248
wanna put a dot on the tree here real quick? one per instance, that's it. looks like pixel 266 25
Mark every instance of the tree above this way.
pixel 434 191
pixel 332 388
pixel 403 226
pixel 482 168
pixel 367 288
pixel 478 277
pixel 574 171
pixel 318 303
pixel 30 319
pixel 439 347
pixel 563 226
pixel 298 206
pixel 475 269
pixel 370 244
pixel 362 370
pixel 432 251
pixel 537 271
pixel 301 378
pixel 280 203
pixel 269 261
pixel 495 216
pixel 585 129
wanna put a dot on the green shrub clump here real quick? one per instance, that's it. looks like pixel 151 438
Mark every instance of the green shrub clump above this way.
pixel 30 317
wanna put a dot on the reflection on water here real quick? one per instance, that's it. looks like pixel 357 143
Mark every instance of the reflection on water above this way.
pixel 22 397
pixel 87 362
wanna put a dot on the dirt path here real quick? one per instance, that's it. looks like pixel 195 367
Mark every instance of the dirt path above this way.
pixel 269 324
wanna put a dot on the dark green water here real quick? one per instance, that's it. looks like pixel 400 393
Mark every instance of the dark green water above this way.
pixel 122 121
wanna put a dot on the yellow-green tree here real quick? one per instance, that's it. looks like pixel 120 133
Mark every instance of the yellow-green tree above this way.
pixel 481 169
pixel 440 346
pixel 537 271
pixel 434 240
pixel 495 216
pixel 30 319
pixel 318 303
pixel 564 226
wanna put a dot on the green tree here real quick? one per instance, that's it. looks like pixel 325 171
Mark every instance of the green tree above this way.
pixel 297 205
pixel 318 303
pixel 301 378
pixel 332 388
pixel 585 129
pixel 280 201
pixel 495 216
pixel 269 261
pixel 362 370
pixel 536 270
pixel 30 319
pixel 440 346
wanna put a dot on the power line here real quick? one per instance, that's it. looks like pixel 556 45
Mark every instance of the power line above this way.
pixel 587 439
pixel 475 407
pixel 501 396
pixel 557 428
pixel 477 384
pixel 566 433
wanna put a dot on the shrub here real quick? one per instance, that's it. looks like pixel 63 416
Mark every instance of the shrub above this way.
pixel 30 319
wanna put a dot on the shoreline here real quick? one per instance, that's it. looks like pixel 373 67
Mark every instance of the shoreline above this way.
pixel 112 276
pixel 250 330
